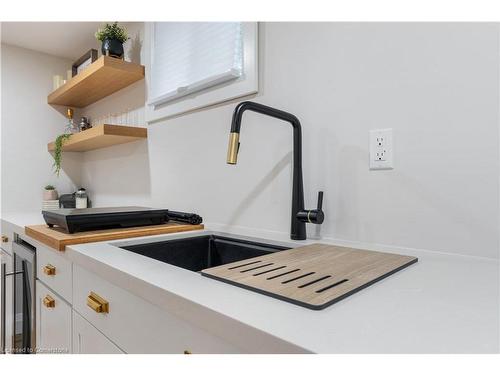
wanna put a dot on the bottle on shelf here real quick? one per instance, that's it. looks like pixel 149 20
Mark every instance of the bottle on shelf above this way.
pixel 71 127
pixel 84 123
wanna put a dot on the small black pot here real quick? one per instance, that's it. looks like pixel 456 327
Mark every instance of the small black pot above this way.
pixel 112 47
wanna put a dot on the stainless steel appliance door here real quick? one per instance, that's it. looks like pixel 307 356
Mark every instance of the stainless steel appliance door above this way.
pixel 24 297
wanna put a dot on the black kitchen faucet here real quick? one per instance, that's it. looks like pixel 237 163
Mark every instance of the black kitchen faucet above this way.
pixel 299 216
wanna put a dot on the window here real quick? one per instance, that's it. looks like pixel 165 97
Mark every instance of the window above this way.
pixel 189 57
pixel 197 64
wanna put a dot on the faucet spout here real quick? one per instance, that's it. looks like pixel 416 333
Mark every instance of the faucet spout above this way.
pixel 298 215
pixel 232 148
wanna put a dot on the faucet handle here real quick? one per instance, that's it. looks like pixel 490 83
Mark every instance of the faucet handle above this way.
pixel 316 216
pixel 320 201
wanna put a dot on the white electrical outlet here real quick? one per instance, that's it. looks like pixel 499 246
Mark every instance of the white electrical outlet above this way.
pixel 381 149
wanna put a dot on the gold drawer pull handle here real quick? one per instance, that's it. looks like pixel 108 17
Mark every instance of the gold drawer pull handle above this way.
pixel 97 303
pixel 49 269
pixel 5 239
pixel 49 302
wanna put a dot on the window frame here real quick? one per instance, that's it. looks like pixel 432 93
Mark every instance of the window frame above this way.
pixel 244 85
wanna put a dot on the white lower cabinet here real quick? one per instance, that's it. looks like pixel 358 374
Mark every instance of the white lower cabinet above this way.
pixel 136 325
pixel 77 311
pixel 88 340
pixel 53 322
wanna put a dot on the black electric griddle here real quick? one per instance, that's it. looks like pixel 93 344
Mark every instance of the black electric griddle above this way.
pixel 83 219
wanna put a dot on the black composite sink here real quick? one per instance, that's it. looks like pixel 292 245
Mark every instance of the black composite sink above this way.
pixel 201 252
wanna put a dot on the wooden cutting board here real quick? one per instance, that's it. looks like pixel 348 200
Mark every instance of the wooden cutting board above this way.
pixel 59 239
pixel 313 276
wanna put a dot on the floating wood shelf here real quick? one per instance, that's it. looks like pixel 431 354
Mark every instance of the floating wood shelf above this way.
pixel 103 77
pixel 101 136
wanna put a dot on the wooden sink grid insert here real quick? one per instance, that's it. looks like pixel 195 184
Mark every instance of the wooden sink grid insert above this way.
pixel 313 276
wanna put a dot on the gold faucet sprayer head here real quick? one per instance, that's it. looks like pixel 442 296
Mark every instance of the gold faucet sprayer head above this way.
pixel 232 149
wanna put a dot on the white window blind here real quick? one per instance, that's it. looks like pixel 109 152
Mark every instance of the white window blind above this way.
pixel 191 56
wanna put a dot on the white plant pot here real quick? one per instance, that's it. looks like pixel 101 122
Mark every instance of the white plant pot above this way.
pixel 50 195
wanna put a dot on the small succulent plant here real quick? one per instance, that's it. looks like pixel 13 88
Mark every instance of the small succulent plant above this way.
pixel 112 31
pixel 50 187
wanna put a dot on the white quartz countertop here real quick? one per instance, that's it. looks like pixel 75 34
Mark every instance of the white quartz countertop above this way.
pixel 18 220
pixel 443 304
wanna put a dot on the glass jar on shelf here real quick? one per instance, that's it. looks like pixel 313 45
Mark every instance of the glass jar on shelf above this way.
pixel 81 198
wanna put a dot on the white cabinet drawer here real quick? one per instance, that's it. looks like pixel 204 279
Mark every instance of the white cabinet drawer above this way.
pixel 53 322
pixel 55 271
pixel 138 326
pixel 88 340
pixel 7 237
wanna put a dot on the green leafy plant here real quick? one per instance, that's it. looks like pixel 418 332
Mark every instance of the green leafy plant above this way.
pixel 50 187
pixel 112 31
pixel 58 152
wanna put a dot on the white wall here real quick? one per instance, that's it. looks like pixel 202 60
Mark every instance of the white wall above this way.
pixel 120 175
pixel 28 123
pixel 436 85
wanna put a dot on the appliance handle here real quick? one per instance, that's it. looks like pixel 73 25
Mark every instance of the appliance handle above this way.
pixel 3 297
pixel 26 307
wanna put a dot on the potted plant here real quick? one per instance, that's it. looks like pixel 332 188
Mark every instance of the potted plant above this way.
pixel 112 38
pixel 50 193
pixel 58 152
